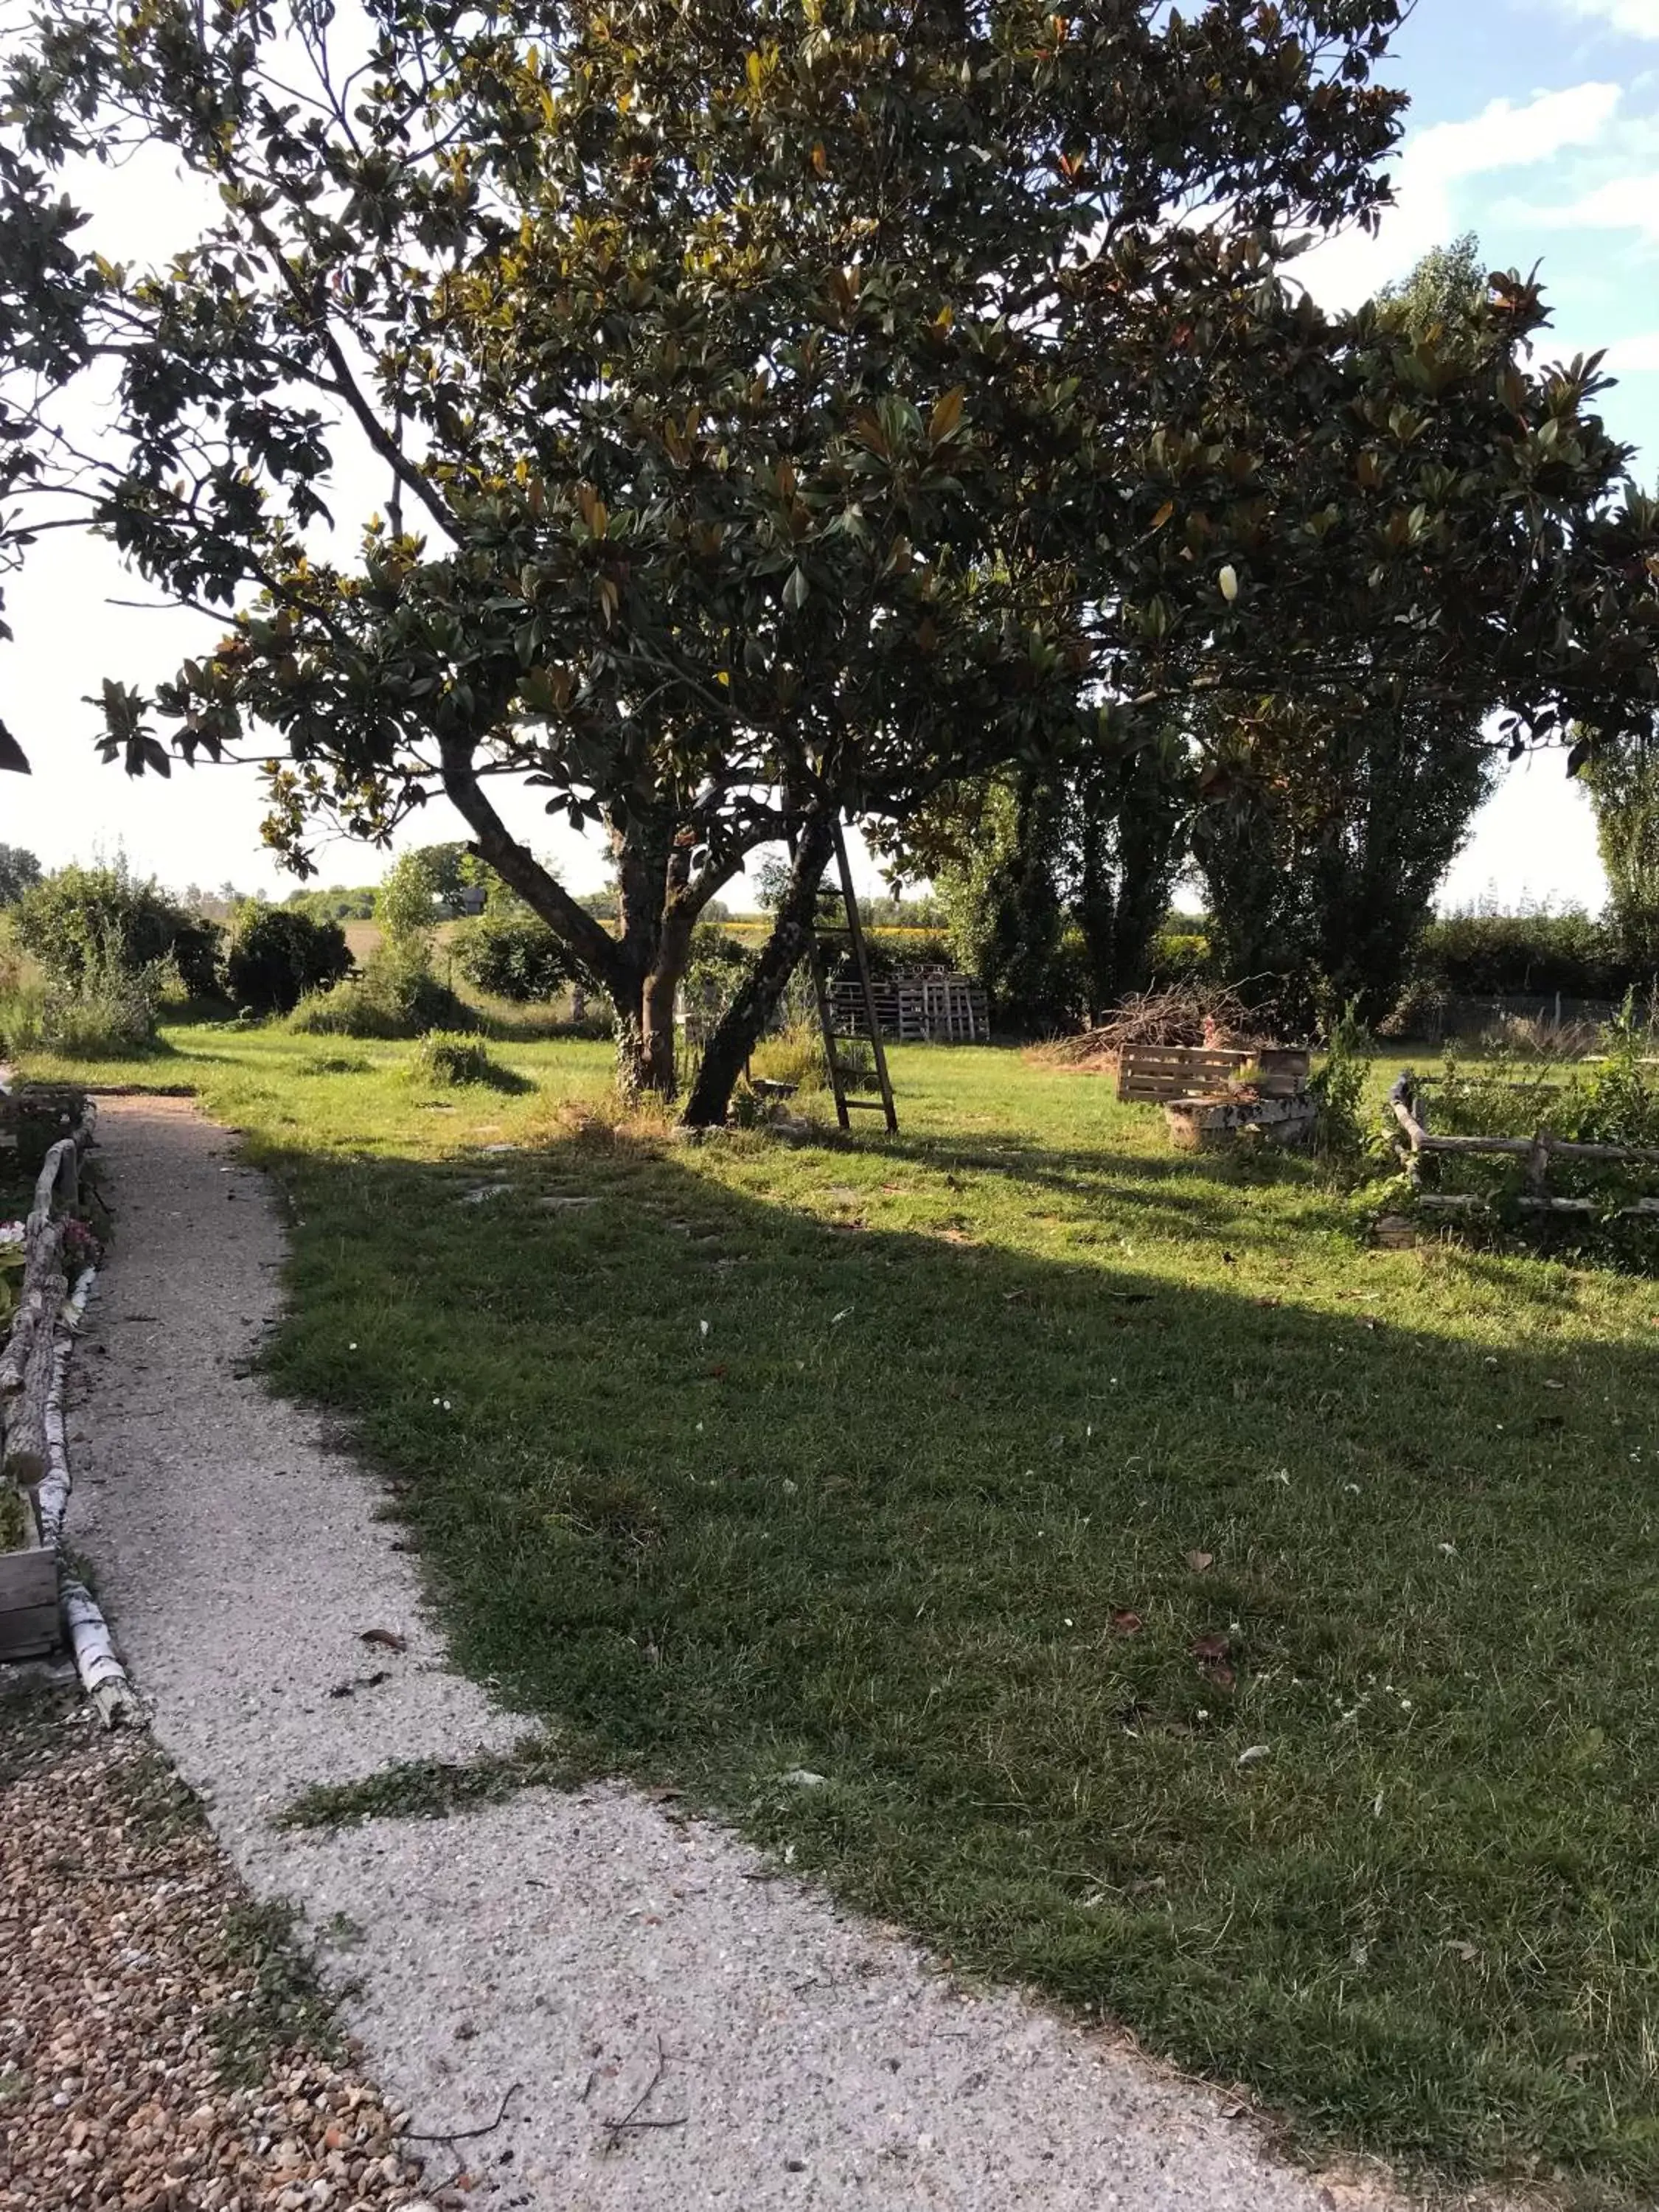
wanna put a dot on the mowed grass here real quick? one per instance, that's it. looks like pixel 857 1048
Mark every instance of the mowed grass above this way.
pixel 1231 1630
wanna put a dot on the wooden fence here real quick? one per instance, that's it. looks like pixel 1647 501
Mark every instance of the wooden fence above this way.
pixel 1420 1147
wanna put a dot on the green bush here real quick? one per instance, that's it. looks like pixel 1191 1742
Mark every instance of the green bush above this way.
pixel 396 996
pixel 446 1058
pixel 1341 1135
pixel 509 953
pixel 278 953
pixel 83 919
pixel 109 1013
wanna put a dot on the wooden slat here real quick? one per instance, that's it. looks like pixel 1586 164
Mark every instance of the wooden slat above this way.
pixel 1156 1073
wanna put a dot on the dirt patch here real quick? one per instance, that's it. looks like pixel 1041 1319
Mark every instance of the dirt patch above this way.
pixel 162 2044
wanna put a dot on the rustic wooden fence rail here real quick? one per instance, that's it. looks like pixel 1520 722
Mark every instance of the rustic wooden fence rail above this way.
pixel 1420 1145
pixel 37 1584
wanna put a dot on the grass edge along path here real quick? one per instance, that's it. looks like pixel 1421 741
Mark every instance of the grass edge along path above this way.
pixel 1221 1628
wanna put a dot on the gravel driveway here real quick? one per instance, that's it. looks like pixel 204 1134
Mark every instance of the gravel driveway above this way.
pixel 589 1946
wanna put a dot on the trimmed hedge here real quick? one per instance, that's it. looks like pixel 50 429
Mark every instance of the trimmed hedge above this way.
pixel 1496 956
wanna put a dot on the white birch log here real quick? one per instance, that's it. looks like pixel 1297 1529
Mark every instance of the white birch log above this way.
pixel 51 1495
pixel 103 1677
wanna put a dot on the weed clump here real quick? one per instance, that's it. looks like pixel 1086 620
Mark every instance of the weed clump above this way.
pixel 444 1059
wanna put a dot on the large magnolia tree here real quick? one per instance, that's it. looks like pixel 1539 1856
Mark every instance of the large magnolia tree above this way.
pixel 776 411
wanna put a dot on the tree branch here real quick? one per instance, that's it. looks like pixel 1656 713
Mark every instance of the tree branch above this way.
pixel 516 865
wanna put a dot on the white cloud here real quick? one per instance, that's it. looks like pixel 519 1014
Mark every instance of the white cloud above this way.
pixel 1636 19
pixel 1633 356
pixel 1345 269
pixel 1623 204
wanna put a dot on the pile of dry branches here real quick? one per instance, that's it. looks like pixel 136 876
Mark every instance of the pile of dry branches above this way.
pixel 1181 1013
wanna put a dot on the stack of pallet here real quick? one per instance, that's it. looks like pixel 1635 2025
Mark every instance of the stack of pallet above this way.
pixel 916 1006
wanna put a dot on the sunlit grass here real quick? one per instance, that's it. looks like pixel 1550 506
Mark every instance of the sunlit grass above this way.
pixel 1228 1628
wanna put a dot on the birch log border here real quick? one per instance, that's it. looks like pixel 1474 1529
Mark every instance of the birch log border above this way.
pixel 34 1373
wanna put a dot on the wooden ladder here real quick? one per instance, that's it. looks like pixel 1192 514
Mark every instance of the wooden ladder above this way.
pixel 839 1073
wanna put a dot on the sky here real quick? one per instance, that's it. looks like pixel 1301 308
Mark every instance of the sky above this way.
pixel 1533 123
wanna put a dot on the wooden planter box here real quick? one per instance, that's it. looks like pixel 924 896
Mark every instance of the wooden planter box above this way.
pixel 34 1118
pixel 30 1624
pixel 1203 1124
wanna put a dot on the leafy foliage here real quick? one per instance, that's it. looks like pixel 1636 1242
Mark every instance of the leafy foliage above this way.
pixel 83 924
pixel 1339 1084
pixel 340 903
pixel 395 996
pixel 446 1058
pixel 407 903
pixel 1057 881
pixel 789 413
pixel 1478 954
pixel 1623 786
pixel 278 954
pixel 108 1010
pixel 509 953
pixel 20 871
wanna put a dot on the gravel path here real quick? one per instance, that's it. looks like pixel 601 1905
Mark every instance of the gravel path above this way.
pixel 590 1946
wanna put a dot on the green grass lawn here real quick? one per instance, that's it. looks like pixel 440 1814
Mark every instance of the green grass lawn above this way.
pixel 1231 1630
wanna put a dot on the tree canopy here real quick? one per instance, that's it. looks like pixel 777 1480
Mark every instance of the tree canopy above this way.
pixel 778 411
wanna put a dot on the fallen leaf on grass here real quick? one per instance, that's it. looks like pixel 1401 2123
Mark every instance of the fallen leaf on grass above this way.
pixel 1016 1297
pixel 1218 1672
pixel 1550 1383
pixel 1127 1623
pixel 1199 1561
pixel 1211 1647
pixel 719 1373
pixel 1251 1753
pixel 1270 1301
pixel 388 1638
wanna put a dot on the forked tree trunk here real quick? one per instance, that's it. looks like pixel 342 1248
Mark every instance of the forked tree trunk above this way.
pixel 744 1022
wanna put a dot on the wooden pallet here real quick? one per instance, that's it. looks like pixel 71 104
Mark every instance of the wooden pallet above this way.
pixel 1155 1073
pixel 915 1009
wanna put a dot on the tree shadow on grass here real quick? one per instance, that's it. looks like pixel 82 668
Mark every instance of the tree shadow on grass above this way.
pixel 1279 1683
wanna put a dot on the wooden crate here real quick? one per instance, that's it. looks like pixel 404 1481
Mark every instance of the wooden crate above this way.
pixel 29 1626
pixel 1155 1073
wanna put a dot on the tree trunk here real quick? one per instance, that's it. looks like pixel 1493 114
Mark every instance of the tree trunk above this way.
pixel 658 997
pixel 743 1023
